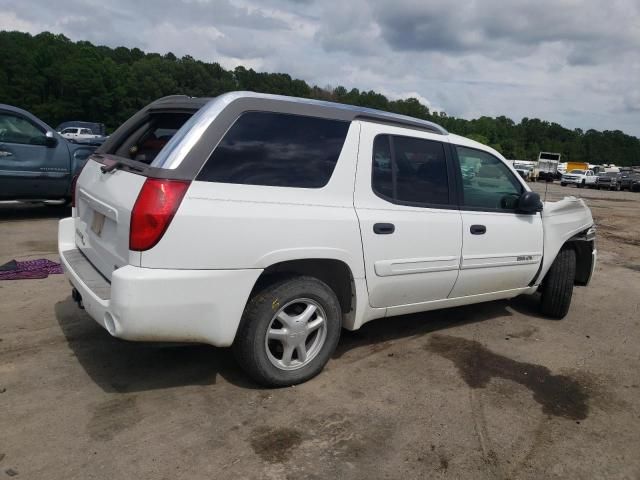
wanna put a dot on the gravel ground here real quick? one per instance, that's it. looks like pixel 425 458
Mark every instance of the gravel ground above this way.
pixel 488 391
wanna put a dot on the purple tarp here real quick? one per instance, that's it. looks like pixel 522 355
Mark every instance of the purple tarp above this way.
pixel 19 270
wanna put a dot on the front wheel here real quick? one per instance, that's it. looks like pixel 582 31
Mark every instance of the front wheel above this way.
pixel 557 286
pixel 562 184
pixel 288 331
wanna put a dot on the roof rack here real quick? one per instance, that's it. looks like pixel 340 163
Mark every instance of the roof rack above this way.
pixel 306 106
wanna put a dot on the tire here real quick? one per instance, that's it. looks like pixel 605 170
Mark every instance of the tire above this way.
pixel 557 286
pixel 563 184
pixel 287 298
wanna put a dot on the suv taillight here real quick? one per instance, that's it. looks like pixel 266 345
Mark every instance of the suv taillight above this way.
pixel 74 182
pixel 153 211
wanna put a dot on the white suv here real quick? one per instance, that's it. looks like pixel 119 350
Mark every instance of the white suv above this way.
pixel 270 223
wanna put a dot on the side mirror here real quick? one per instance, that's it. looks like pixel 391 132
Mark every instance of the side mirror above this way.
pixel 50 140
pixel 529 202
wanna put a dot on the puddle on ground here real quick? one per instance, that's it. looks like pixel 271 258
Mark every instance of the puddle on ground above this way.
pixel 559 395
pixel 274 445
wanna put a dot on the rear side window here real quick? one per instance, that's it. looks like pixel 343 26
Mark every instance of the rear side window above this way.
pixel 410 170
pixel 146 143
pixel 277 149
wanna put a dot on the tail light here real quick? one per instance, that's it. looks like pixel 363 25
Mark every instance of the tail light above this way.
pixel 74 181
pixel 153 211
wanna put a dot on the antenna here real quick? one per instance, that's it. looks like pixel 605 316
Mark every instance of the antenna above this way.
pixel 546 189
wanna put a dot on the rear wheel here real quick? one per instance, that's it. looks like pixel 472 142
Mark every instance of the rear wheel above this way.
pixel 557 286
pixel 288 331
pixel 563 184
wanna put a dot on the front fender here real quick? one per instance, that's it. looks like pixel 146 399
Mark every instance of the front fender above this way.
pixel 561 221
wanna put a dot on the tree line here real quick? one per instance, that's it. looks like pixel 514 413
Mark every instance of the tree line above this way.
pixel 58 80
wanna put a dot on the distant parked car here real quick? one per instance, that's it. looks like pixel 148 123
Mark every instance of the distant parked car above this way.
pixel 630 180
pixel 82 135
pixel 524 172
pixel 96 128
pixel 580 178
pixel 36 163
pixel 73 133
pixel 608 180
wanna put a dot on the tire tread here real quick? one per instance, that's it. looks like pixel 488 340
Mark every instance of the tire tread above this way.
pixel 248 343
pixel 557 287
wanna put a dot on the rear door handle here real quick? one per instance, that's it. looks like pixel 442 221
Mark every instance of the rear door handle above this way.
pixel 4 153
pixel 478 229
pixel 384 228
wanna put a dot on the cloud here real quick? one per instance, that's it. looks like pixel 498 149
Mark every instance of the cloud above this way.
pixel 570 61
pixel 493 28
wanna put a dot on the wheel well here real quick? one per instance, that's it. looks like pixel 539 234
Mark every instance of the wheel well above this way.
pixel 584 258
pixel 335 273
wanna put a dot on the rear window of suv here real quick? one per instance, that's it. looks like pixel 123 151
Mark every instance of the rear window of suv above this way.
pixel 277 149
pixel 145 142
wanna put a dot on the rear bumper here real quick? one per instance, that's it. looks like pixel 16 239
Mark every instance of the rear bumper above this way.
pixel 151 304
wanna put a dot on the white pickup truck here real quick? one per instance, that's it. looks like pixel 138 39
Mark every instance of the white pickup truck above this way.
pixel 269 223
pixel 579 178
pixel 75 133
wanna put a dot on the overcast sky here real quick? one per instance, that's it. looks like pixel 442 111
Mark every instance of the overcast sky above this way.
pixel 575 62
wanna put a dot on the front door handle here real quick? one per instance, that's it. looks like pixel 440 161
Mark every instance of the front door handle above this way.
pixel 4 153
pixel 478 229
pixel 384 228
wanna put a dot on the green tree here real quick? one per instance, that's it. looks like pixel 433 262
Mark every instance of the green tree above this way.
pixel 59 80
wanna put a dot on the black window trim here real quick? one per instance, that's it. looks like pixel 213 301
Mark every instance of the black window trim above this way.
pixel 460 189
pixel 451 179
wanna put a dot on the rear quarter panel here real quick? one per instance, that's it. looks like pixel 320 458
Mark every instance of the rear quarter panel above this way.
pixel 229 226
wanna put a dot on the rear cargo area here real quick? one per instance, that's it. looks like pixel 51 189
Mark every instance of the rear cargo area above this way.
pixel 104 202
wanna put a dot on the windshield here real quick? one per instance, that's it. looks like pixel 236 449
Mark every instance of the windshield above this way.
pixel 579 172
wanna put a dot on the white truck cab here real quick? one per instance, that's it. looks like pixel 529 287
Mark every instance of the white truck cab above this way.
pixel 76 133
pixel 269 223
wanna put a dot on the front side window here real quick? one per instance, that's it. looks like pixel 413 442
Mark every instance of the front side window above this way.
pixel 487 183
pixel 410 170
pixel 15 129
pixel 277 149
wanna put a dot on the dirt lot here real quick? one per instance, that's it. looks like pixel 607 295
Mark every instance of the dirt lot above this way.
pixel 489 391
